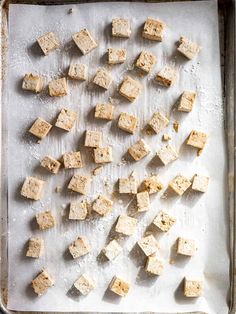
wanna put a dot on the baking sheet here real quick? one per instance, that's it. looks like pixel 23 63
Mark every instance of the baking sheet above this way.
pixel 203 217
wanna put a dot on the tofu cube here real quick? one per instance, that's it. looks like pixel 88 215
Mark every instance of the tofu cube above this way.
pixel 35 247
pixel 116 56
pixel 143 201
pixel 80 184
pixel 78 71
pixel 166 137
pixel 84 284
pixel 79 247
pixel 187 100
pixel 121 28
pixel 164 221
pixel 40 128
pixel 112 250
pixel 48 42
pixel 50 164
pixel 32 188
pixel 127 122
pixel 148 245
pixel 84 41
pixel 128 185
pixel 158 122
pixel 193 287
pixel 126 225
pixel 130 88
pixel 180 184
pixel 146 61
pixel 78 210
pixel 167 154
pixel 66 119
pixel 104 111
pixel 103 78
pixel 139 150
pixel 42 282
pixel 154 266
pixel 33 83
pixel 93 139
pixel 200 183
pixel 186 247
pixel 152 184
pixel 72 160
pixel 102 205
pixel 58 87
pixel 166 76
pixel 197 139
pixel 119 286
pixel 153 29
pixel 102 155
pixel 45 220
pixel 188 48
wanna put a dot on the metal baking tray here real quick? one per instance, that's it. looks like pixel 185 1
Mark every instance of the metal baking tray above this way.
pixel 227 19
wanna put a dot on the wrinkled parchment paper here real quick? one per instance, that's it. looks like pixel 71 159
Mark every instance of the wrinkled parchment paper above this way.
pixel 201 217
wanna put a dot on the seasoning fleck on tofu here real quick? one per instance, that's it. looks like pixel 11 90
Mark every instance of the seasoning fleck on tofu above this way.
pixel 158 122
pixel 146 61
pixel 119 286
pixel 188 48
pixel 139 150
pixel 121 27
pixel 84 284
pixel 32 188
pixel 116 56
pixel 40 128
pixel 152 184
pixel 33 83
pixel 79 247
pixel 166 76
pixel 66 119
pixel 58 87
pixel 112 250
pixel 45 220
pixel 127 122
pixel 130 88
pixel 42 282
pixel 48 42
pixel 153 29
pixel 193 288
pixel 35 247
pixel 50 164
pixel 80 184
pixel 126 225
pixel 164 221
pixel 103 78
pixel 180 184
pixel 84 41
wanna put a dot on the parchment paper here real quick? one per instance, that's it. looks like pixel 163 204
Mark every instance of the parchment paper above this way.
pixel 201 217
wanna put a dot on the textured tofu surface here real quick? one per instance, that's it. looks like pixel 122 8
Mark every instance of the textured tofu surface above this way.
pixel 139 150
pixel 32 188
pixel 158 122
pixel 79 247
pixel 166 76
pixel 197 139
pixel 45 220
pixel 186 247
pixel 128 185
pixel 102 205
pixel 40 128
pixel 148 245
pixel 112 250
pixel 80 184
pixel 84 284
pixel 78 71
pixel 193 288
pixel 58 87
pixel 130 88
pixel 121 27
pixel 84 41
pixel 33 82
pixel 167 154
pixel 103 78
pixel 180 184
pixel 143 201
pixel 119 286
pixel 42 283
pixel 152 184
pixel 188 48
pixel 154 266
pixel 51 164
pixel 127 122
pixel 93 138
pixel 66 119
pixel 187 100
pixel 146 61
pixel 104 111
pixel 116 56
pixel 164 221
pixel 35 247
pixel 72 160
pixel 102 155
pixel 153 29
pixel 200 183
pixel 78 210
pixel 126 225
pixel 48 42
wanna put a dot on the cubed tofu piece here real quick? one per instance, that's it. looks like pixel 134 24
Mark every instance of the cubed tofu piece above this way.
pixel 119 286
pixel 166 137
pixel 154 266
pixel 40 128
pixel 116 56
pixel 58 87
pixel 32 188
pixel 187 100
pixel 72 160
pixel 152 184
pixel 130 88
pixel 93 139
pixel 186 247
pixel 166 76
pixel 126 225
pixel 102 205
pixel 127 122
pixel 167 154
pixel 158 122
pixel 143 201
pixel 84 41
pixel 121 27
pixel 139 150
pixel 153 29
pixel 188 48
pixel 84 284
pixel 48 42
pixel 78 71
pixel 200 183
pixel 35 247
pixel 148 245
pixel 102 155
pixel 112 250
pixel 42 282
pixel 45 220
pixel 78 210
pixel 33 83
pixel 103 78
pixel 146 61
pixel 164 221
pixel 104 111
pixel 66 119
pixel 128 185
pixel 79 247
pixel 180 184
pixel 80 184
pixel 197 139
pixel 193 288
pixel 50 164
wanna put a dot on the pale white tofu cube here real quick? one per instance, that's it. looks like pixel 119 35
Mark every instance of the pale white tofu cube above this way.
pixel 102 155
pixel 180 184
pixel 166 76
pixel 139 150
pixel 200 183
pixel 128 185
pixel 119 286
pixel 158 122
pixel 153 29
pixel 148 245
pixel 78 210
pixel 66 119
pixel 33 82
pixel 164 221
pixel 72 160
pixel 126 225
pixel 45 220
pixel 93 139
pixel 40 128
pixel 35 247
pixel 80 184
pixel 193 287
pixel 50 164
pixel 187 100
pixel 146 61
pixel 102 205
pixel 130 88
pixel 186 247
pixel 116 56
pixel 121 27
pixel 78 71
pixel 197 139
pixel 112 250
pixel 48 42
pixel 143 201
pixel 103 78
pixel 32 188
pixel 84 41
pixel 188 48
pixel 58 87
pixel 79 247
pixel 154 266
pixel 167 154
pixel 104 111
pixel 152 184
pixel 84 284
pixel 42 282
